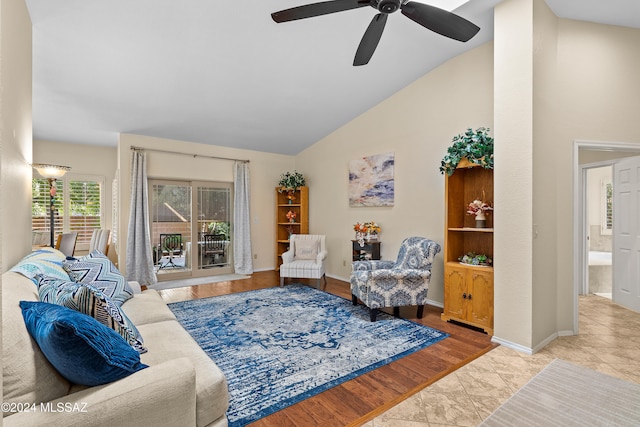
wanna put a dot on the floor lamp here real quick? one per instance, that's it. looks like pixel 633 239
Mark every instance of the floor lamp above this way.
pixel 51 173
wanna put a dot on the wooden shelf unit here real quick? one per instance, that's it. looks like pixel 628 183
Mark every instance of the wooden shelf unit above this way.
pixel 300 206
pixel 468 289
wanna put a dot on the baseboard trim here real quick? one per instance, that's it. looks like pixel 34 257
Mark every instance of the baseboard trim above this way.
pixel 333 276
pixel 512 345
pixel 535 349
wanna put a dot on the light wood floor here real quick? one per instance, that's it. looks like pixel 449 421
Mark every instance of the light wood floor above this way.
pixel 357 401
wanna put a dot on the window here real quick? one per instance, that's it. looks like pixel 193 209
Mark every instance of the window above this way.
pixel 78 204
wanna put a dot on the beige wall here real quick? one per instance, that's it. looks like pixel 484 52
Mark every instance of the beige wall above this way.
pixel 513 178
pixel 417 125
pixel 598 100
pixel 16 134
pixel 265 170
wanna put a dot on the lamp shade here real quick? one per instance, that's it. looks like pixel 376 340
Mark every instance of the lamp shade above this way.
pixel 51 171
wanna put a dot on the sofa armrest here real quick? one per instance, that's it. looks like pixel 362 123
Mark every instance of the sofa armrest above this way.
pixel 135 286
pixel 160 395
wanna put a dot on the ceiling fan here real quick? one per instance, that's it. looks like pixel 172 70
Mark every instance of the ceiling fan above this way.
pixel 433 18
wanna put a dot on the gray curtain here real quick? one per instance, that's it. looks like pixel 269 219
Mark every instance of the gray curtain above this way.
pixel 139 255
pixel 242 257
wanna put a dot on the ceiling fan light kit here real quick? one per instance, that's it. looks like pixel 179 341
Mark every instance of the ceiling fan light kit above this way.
pixel 433 18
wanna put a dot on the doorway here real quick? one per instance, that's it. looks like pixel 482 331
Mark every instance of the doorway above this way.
pixel 599 227
pixel 190 228
pixel 588 155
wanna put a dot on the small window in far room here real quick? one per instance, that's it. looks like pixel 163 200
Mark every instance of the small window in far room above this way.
pixel 607 207
pixel 78 205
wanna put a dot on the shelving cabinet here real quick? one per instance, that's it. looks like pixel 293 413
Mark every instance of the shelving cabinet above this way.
pixel 299 205
pixel 468 289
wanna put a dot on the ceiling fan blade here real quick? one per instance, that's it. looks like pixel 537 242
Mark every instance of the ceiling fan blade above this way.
pixel 370 39
pixel 440 21
pixel 317 9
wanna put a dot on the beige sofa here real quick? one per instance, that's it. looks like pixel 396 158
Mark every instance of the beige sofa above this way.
pixel 181 387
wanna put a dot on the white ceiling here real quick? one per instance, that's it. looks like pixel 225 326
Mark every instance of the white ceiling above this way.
pixel 227 74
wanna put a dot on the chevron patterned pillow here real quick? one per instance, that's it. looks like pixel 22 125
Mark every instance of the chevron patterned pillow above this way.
pixel 87 299
pixel 98 271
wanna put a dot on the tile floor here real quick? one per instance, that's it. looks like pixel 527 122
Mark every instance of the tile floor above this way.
pixel 609 342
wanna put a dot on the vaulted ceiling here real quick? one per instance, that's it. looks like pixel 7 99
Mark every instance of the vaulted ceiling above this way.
pixel 227 74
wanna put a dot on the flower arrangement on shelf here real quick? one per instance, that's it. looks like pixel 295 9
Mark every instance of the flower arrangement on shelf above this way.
pixel 472 258
pixel 289 181
pixel 366 231
pixel 291 216
pixel 479 209
pixel 367 227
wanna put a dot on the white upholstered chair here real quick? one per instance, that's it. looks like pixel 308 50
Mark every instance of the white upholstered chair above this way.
pixel 305 258
pixel 100 240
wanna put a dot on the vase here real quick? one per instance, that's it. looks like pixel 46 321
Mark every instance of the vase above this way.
pixel 481 220
pixel 372 237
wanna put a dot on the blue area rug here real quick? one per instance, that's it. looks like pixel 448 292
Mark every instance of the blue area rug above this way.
pixel 278 346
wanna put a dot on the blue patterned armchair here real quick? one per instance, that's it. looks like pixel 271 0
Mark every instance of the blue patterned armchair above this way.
pixel 380 284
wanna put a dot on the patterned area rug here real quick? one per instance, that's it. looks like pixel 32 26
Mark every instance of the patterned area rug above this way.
pixel 278 346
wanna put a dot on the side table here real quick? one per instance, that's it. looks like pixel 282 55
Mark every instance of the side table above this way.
pixel 370 251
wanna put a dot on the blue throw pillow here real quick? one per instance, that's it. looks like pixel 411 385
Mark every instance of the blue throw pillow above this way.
pixel 88 300
pixel 98 270
pixel 83 350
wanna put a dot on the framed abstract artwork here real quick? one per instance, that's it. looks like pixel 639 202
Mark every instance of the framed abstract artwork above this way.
pixel 371 180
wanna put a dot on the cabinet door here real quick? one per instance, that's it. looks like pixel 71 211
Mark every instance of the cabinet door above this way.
pixel 454 287
pixel 480 298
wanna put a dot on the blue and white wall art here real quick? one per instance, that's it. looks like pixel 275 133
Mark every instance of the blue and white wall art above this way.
pixel 371 180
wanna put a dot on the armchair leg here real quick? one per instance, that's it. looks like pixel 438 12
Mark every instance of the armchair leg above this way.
pixel 373 312
pixel 420 311
pixel 281 281
pixel 354 299
pixel 396 311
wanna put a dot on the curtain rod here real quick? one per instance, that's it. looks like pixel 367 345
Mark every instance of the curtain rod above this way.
pixel 187 154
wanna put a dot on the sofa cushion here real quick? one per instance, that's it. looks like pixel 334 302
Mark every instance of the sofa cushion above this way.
pixel 147 307
pixel 168 340
pixel 27 376
pixel 83 350
pixel 46 261
pixel 92 302
pixel 98 270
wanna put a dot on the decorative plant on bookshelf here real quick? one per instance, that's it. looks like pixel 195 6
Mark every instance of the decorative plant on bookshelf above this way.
pixel 472 258
pixel 476 146
pixel 290 181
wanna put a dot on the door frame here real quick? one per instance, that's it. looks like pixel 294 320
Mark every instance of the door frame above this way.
pixel 580 263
